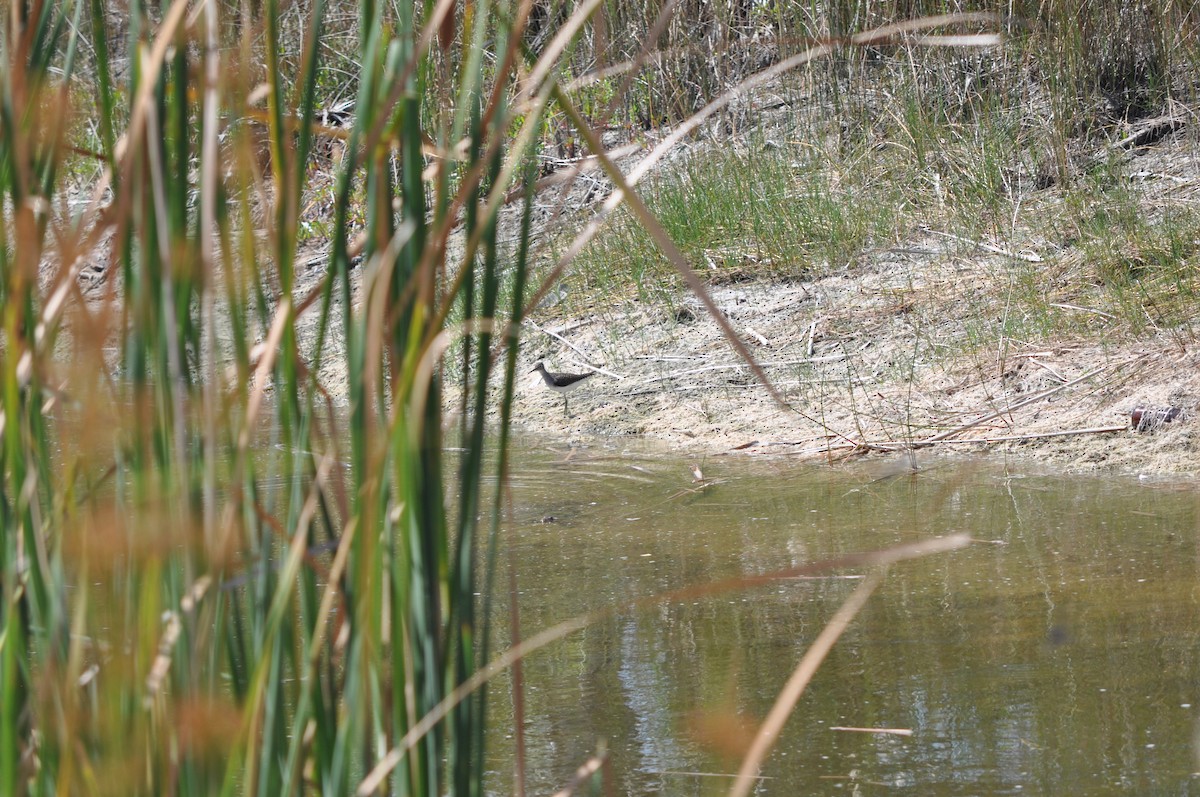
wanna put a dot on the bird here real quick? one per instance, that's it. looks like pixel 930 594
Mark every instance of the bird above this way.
pixel 560 383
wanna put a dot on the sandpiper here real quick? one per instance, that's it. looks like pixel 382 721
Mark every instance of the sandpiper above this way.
pixel 560 383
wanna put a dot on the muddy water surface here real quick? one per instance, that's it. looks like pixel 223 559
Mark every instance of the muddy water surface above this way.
pixel 1060 654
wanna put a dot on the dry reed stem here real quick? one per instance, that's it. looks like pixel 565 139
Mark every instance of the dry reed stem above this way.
pixel 1035 435
pixel 208 231
pixel 805 670
pixel 631 68
pixel 332 590
pixel 937 438
pixel 253 405
pixel 297 551
pixel 166 645
pixel 655 230
pixel 371 783
pixel 518 681
pixel 889 731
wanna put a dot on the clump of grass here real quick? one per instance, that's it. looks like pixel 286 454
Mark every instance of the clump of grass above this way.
pixel 785 212
pixel 1146 267
pixel 741 216
pixel 1086 65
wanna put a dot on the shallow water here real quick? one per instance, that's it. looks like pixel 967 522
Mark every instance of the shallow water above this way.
pixel 1057 655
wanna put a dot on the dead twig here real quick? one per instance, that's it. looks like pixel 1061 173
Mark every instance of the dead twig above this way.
pixel 946 435
pixel 1065 306
pixel 1053 372
pixel 999 250
pixel 572 347
pixel 1150 131
pixel 754 333
pixel 1010 438
pixel 768 733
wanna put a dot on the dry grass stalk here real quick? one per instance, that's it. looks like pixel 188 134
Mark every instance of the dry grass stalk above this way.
pixel 789 696
pixel 879 559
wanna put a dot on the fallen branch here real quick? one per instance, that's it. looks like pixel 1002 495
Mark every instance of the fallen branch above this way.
pixel 938 438
pixel 1150 131
pixel 999 250
pixel 1009 438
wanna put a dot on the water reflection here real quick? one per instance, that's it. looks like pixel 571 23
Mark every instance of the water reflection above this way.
pixel 1058 656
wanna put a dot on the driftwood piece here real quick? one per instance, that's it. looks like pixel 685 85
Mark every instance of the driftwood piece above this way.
pixel 1149 131
pixel 1151 419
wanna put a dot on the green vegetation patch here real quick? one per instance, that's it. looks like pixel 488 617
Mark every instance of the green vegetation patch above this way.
pixel 770 212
